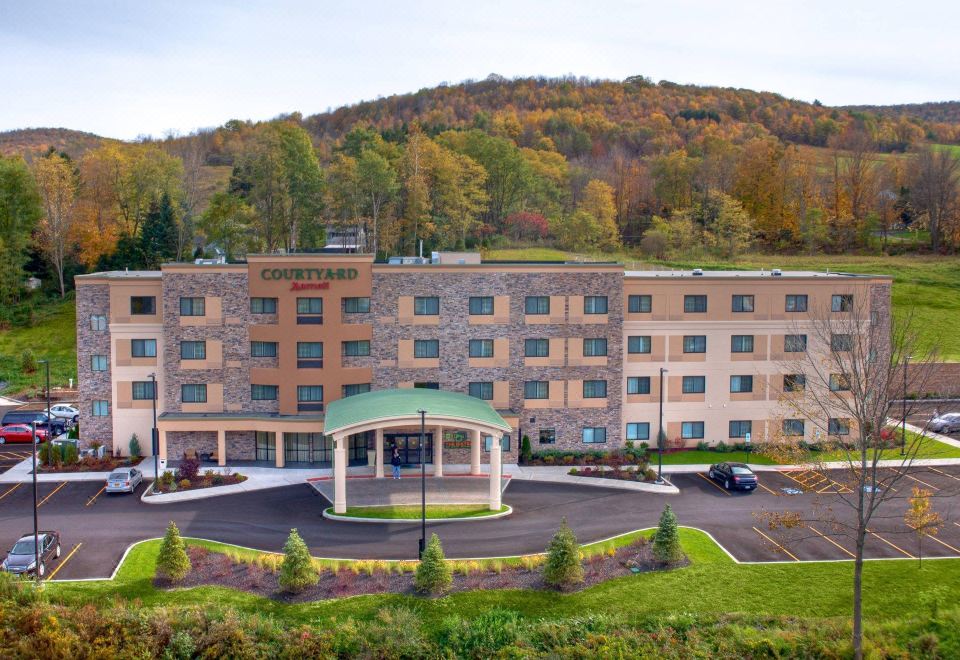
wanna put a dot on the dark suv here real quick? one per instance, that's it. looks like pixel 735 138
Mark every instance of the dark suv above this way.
pixel 38 416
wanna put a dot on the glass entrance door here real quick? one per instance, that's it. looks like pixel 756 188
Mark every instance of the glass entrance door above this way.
pixel 409 446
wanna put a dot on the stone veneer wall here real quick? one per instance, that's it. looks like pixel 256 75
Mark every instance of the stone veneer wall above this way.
pixel 93 385
pixel 204 442
pixel 231 287
pixel 454 332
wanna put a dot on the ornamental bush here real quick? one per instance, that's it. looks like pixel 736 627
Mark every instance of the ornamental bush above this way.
pixel 666 543
pixel 433 573
pixel 135 449
pixel 28 361
pixel 173 562
pixel 525 452
pixel 563 568
pixel 70 454
pixel 297 571
pixel 189 469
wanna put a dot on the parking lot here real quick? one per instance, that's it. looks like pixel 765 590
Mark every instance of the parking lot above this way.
pixel 11 454
pixel 96 528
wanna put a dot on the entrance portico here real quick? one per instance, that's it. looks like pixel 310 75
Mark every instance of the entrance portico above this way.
pixel 398 412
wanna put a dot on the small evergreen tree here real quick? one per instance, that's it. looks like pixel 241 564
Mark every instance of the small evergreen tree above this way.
pixel 666 544
pixel 563 568
pixel 158 236
pixel 134 446
pixel 172 562
pixel 433 573
pixel 525 452
pixel 28 361
pixel 297 571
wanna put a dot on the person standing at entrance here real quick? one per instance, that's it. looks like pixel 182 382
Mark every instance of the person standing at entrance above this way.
pixel 395 462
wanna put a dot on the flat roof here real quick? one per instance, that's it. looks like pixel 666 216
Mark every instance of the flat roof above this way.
pixel 241 415
pixel 123 275
pixel 746 274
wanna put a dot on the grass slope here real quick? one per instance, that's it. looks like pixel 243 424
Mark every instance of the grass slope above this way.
pixel 53 337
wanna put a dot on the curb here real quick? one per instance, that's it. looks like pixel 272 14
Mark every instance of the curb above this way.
pixel 492 516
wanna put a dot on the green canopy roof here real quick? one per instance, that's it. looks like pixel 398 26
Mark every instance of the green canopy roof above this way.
pixel 407 403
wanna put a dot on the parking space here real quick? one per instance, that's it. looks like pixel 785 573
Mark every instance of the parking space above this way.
pixel 11 454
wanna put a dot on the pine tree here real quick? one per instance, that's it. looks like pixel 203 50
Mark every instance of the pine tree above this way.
pixel 158 237
pixel 172 562
pixel 563 568
pixel 666 544
pixel 297 571
pixel 433 573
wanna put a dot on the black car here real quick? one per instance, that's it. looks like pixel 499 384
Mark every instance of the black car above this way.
pixel 38 416
pixel 22 558
pixel 734 476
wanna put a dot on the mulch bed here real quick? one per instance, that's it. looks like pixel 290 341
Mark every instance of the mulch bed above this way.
pixel 205 482
pixel 214 568
pixel 619 475
pixel 105 464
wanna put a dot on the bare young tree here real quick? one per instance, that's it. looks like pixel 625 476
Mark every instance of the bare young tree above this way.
pixel 935 190
pixel 58 184
pixel 849 372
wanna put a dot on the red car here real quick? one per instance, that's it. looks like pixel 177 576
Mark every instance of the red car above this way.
pixel 20 433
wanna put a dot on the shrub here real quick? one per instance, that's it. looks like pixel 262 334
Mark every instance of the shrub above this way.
pixel 184 483
pixel 209 474
pixel 563 568
pixel 189 469
pixel 172 562
pixel 74 433
pixel 650 474
pixel 28 361
pixel 433 573
pixel 703 445
pixel 525 452
pixel 43 453
pixel 297 571
pixel 70 454
pixel 549 460
pixel 166 478
pixel 666 543
pixel 135 449
pixel 217 480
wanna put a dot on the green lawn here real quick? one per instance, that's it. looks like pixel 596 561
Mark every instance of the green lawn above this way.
pixel 705 586
pixel 696 456
pixel 923 447
pixel 53 336
pixel 412 511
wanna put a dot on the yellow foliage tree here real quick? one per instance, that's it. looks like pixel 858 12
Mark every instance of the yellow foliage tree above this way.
pixel 598 202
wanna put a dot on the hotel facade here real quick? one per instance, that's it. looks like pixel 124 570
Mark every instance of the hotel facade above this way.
pixel 250 360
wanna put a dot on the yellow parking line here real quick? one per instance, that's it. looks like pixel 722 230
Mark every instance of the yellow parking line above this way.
pixel 891 544
pixel 92 499
pixel 904 474
pixel 765 488
pixel 827 538
pixel 15 486
pixel 710 481
pixel 946 474
pixel 787 552
pixel 65 560
pixel 51 494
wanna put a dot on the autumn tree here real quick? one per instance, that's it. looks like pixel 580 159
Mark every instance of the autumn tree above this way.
pixel 597 201
pixel 934 177
pixel 57 184
pixel 377 186
pixel 921 518
pixel 227 222
pixel 20 210
pixel 460 197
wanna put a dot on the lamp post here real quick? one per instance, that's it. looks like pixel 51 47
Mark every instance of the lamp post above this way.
pixel 660 432
pixel 36 521
pixel 903 430
pixel 423 484
pixel 155 436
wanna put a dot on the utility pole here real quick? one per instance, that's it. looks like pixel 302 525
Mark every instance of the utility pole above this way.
pixel 423 484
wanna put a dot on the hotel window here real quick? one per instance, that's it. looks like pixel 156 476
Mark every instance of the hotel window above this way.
pixel 536 389
pixel 143 305
pixel 355 388
pixel 192 307
pixel 739 428
pixel 595 435
pixel 695 304
pixel 639 344
pixel 594 304
pixel 504 442
pixel 426 348
pixel 481 390
pixel 142 390
pixel 193 350
pixel 536 348
pixel 264 392
pixel 638 385
pixel 101 408
pixel 691 430
pixel 193 393
pixel 742 303
pixel 694 384
pixel 426 306
pixel 536 305
pixel 481 348
pixel 309 398
pixel 263 305
pixel 796 302
pixel 841 343
pixel 309 311
pixel 356 348
pixel 837 426
pixel 595 347
pixel 795 343
pixel 140 348
pixel 741 384
pixel 481 305
pixel 741 344
pixel 98 362
pixel 694 344
pixel 793 427
pixel 594 389
pixel 639 304
pixel 548 436
pixel 98 322
pixel 794 382
pixel 263 349
pixel 426 386
pixel 839 383
pixel 309 355
pixel 356 305
pixel 638 431
pixel 842 303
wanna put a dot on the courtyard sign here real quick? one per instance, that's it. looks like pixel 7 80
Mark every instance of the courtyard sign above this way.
pixel 309 274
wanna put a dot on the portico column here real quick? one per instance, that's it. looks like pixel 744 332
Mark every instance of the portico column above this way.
pixel 438 451
pixel 379 449
pixel 495 474
pixel 340 475
pixel 221 447
pixel 278 449
pixel 163 444
pixel 474 452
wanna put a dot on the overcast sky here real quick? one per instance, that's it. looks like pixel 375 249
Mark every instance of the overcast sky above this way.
pixel 122 69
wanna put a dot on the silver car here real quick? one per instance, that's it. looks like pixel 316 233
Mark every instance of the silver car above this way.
pixel 945 423
pixel 124 480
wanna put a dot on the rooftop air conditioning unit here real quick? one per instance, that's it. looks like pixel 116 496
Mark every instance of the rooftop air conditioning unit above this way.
pixel 776 272
pixel 698 272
